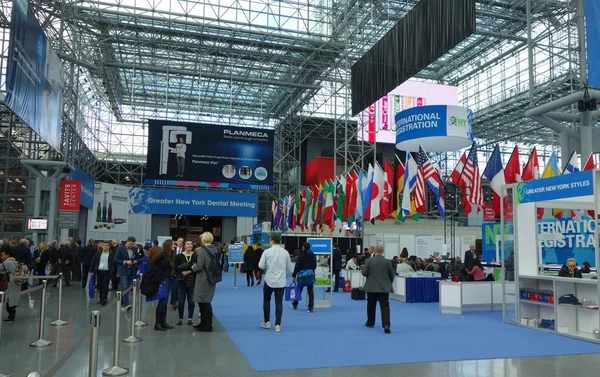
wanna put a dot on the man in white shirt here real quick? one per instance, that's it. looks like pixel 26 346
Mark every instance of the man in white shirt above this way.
pixel 352 265
pixel 276 261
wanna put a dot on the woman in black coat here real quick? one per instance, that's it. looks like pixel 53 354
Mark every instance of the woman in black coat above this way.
pixel 163 263
pixel 250 263
pixel 185 281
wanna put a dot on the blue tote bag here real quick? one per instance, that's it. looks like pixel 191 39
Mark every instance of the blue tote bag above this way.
pixel 91 286
pixel 163 292
pixel 293 292
pixel 305 278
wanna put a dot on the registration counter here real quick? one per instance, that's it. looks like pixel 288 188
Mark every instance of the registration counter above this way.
pixel 479 296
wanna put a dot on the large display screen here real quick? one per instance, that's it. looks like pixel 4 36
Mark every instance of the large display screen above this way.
pixel 37 224
pixel 208 155
pixel 34 76
pixel 376 123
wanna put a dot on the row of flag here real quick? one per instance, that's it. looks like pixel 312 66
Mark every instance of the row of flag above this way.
pixel 400 191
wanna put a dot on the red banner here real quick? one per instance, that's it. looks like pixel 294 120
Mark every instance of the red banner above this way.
pixel 384 113
pixel 489 215
pixel 371 124
pixel 70 195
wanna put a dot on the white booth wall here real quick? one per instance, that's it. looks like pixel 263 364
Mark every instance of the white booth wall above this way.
pixel 396 236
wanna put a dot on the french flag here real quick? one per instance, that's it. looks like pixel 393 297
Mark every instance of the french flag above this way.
pixel 495 173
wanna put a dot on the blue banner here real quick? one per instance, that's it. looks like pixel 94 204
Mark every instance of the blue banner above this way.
pixel 87 187
pixel 159 201
pixel 34 76
pixel 320 245
pixel 435 128
pixel 236 253
pixel 559 240
pixel 208 155
pixel 592 23
pixel 257 228
pixel 559 187
pixel 490 232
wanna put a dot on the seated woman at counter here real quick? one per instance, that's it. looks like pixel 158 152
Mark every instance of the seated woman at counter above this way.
pixel 477 270
pixel 570 270
pixel 586 268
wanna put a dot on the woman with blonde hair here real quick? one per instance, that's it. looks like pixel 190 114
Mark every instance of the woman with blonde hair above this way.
pixel 204 290
pixel 42 259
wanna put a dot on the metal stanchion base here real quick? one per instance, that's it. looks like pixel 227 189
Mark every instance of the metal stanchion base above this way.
pixel 234 287
pixel 140 324
pixel 59 322
pixel 132 339
pixel 4 375
pixel 115 371
pixel 41 343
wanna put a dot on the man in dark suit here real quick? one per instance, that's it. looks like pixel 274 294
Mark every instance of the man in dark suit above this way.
pixel 127 259
pixel 77 261
pixel 469 257
pixel 87 254
pixel 65 256
pixel 380 275
pixel 336 266
pixel 22 253
pixel 306 261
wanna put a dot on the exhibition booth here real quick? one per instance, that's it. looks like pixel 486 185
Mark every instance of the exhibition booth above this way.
pixel 562 305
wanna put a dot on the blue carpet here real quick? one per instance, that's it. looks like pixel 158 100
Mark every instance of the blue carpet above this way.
pixel 337 337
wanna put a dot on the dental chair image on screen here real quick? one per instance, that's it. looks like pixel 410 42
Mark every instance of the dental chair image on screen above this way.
pixel 170 136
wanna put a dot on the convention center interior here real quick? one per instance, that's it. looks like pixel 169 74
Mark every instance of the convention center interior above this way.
pixel 299 188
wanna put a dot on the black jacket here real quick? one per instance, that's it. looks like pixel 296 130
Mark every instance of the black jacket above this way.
pixel 181 264
pixel 564 272
pixel 87 254
pixel 77 254
pixel 337 260
pixel 96 262
pixel 65 253
pixel 306 261
pixel 22 254
pixel 250 261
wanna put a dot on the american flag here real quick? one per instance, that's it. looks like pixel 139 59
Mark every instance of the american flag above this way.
pixel 425 165
pixel 472 179
pixel 431 175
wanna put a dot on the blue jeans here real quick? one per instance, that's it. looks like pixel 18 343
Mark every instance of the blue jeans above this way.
pixel 182 294
pixel 173 288
pixel 126 281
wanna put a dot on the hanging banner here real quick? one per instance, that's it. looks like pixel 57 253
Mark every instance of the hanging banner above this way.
pixel 558 187
pixel 159 201
pixel 70 192
pixel 592 30
pixel 34 76
pixel 87 188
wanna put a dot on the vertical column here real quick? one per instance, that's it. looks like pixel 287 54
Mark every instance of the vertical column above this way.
pixel 37 205
pixel 53 213
pixel 582 51
pixel 585 132
pixel 565 147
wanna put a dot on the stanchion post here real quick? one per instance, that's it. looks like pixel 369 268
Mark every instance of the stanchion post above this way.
pixel 2 305
pixel 235 276
pixel 116 370
pixel 41 342
pixel 132 338
pixel 93 362
pixel 59 322
pixel 139 322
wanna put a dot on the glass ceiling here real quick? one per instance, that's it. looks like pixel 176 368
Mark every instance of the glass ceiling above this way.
pixel 256 62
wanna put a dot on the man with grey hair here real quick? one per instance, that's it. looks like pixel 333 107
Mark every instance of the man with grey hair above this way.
pixel 114 277
pixel 22 253
pixel 65 256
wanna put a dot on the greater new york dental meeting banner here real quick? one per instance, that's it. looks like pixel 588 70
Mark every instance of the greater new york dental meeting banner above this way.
pixel 208 155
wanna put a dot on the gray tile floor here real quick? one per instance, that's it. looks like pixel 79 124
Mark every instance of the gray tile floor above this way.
pixel 183 352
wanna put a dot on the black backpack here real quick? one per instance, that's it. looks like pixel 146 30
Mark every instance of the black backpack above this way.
pixel 214 272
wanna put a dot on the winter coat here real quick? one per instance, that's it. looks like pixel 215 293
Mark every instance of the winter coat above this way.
pixel 181 264
pixel 204 291
pixel 10 266
pixel 250 261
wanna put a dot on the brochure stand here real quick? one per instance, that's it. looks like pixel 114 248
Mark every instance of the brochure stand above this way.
pixel 236 256
pixel 322 247
pixel 537 294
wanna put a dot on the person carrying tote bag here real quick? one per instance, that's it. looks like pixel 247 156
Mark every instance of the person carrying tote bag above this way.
pixel 304 275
